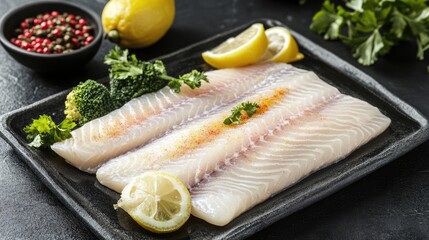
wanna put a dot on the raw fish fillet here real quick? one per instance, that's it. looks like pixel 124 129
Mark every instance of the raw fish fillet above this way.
pixel 301 146
pixel 151 115
pixel 201 146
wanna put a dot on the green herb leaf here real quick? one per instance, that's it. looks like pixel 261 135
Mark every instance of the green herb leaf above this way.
pixel 175 85
pixel 422 44
pixel 367 51
pixel 237 112
pixel 65 127
pixel 356 5
pixel 44 132
pixel 366 22
pixel 398 23
pixel 327 21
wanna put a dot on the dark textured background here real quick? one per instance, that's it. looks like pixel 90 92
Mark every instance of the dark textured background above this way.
pixel 391 203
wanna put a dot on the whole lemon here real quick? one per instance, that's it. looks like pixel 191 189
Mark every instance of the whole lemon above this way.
pixel 137 23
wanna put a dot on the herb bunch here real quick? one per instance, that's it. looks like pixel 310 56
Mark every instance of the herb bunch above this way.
pixel 372 27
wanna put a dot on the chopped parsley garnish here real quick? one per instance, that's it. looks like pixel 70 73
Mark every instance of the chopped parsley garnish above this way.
pixel 248 108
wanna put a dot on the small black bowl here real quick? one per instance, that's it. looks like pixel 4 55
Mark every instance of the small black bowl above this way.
pixel 49 62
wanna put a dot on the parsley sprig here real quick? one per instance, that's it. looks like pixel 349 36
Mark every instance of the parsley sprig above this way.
pixel 44 132
pixel 237 112
pixel 192 79
pixel 372 27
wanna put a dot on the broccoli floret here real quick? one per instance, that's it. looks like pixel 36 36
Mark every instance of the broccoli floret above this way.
pixel 123 90
pixel 131 78
pixel 87 101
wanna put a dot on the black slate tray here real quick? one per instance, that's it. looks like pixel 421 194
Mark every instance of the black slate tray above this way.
pixel 92 202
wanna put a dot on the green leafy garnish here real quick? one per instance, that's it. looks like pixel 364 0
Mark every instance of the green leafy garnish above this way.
pixel 122 65
pixel 237 112
pixel 372 27
pixel 44 132
pixel 192 79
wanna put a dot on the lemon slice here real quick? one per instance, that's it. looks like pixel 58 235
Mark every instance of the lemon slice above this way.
pixel 159 202
pixel 244 49
pixel 282 47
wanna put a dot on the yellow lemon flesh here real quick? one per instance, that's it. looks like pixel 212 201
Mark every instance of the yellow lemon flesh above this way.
pixel 282 47
pixel 244 49
pixel 159 202
pixel 137 23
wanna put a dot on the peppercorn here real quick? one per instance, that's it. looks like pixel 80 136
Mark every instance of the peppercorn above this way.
pixel 53 32
pixel 39 33
pixel 66 37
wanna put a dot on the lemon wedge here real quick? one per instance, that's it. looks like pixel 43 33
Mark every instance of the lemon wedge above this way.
pixel 244 49
pixel 282 47
pixel 159 202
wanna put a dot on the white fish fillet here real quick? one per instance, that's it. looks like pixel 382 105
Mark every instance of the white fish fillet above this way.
pixel 198 148
pixel 316 139
pixel 151 115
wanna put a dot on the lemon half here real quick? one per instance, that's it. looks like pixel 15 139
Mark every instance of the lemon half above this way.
pixel 159 202
pixel 244 49
pixel 282 47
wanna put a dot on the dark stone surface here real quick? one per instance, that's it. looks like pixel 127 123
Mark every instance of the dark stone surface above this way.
pixel 391 203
